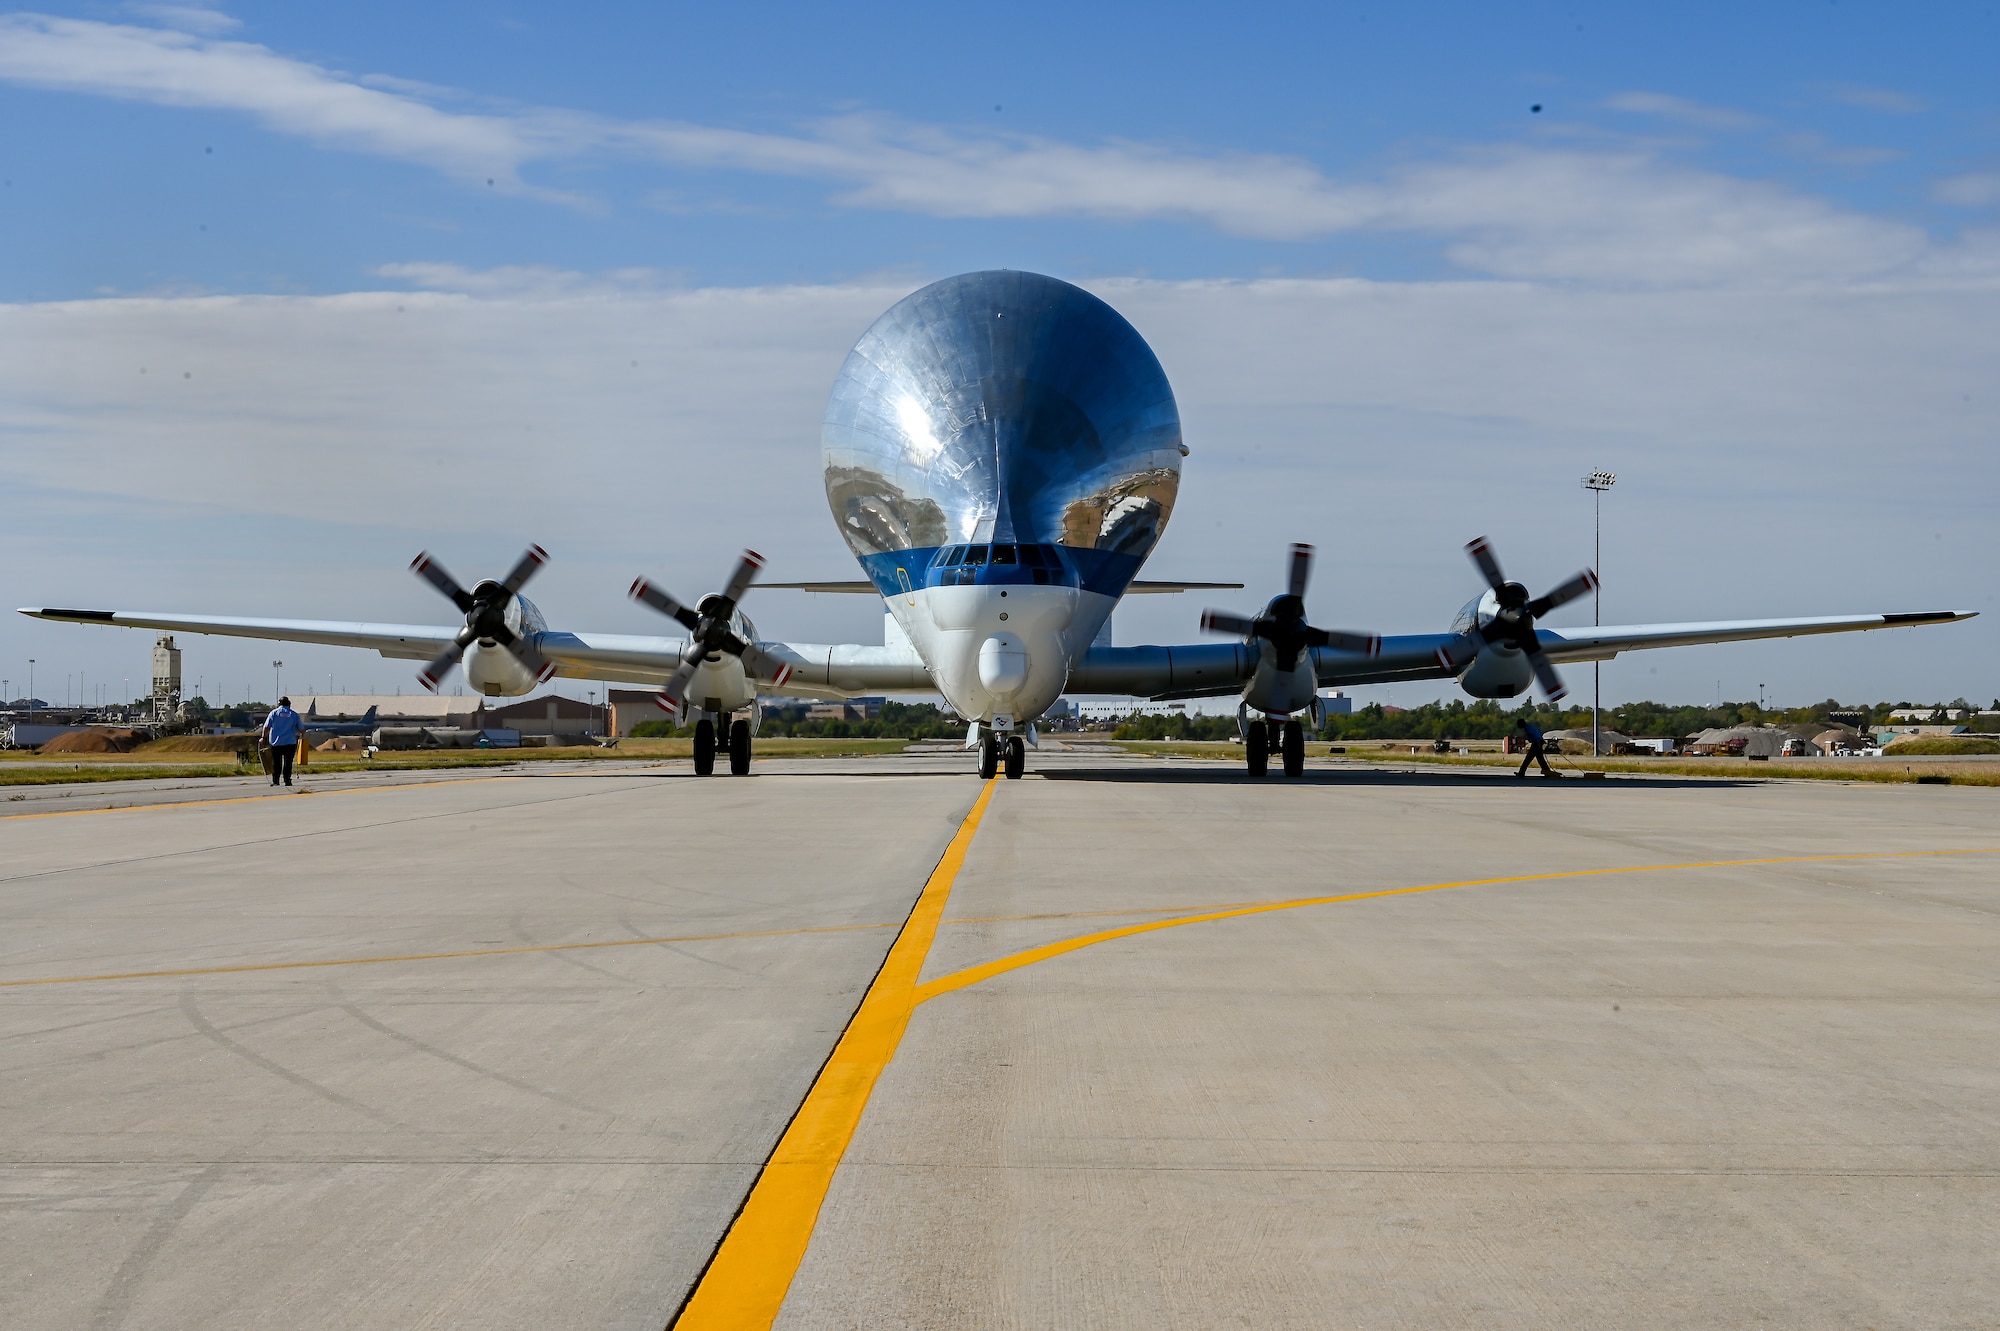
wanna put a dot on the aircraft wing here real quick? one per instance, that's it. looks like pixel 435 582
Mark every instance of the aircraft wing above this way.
pixel 1209 670
pixel 817 669
pixel 1601 644
pixel 414 642
pixel 1414 656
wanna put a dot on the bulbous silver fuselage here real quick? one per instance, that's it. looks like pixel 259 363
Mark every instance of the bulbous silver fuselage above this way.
pixel 1002 453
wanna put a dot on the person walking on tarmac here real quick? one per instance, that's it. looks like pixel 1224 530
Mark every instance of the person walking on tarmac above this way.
pixel 282 731
pixel 1537 751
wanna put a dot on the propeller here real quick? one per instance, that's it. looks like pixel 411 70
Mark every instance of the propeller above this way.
pixel 485 611
pixel 709 632
pixel 1514 620
pixel 1283 623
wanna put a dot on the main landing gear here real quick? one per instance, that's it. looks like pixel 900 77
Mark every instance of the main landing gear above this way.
pixel 996 752
pixel 1285 738
pixel 705 747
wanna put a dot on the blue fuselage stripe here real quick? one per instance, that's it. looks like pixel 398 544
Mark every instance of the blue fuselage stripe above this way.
pixel 1107 572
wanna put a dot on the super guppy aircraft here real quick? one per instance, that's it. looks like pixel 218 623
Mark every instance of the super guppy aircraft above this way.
pixel 1002 453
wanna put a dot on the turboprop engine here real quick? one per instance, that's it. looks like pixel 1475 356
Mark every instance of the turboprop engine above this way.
pixel 1496 647
pixel 497 642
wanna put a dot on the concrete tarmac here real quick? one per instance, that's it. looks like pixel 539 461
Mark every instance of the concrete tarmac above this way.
pixel 1724 1095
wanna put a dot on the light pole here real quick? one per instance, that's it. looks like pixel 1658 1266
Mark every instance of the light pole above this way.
pixel 1597 483
pixel 31 690
pixel 277 681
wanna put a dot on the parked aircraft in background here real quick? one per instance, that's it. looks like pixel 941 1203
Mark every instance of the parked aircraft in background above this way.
pixel 1002 453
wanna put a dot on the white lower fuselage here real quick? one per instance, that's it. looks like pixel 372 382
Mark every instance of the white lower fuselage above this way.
pixel 1000 654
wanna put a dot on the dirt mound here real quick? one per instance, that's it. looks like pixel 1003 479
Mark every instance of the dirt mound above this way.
pixel 1920 746
pixel 97 739
pixel 203 744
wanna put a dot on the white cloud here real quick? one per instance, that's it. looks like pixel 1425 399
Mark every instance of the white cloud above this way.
pixel 204 19
pixel 1977 189
pixel 1700 115
pixel 1886 100
pixel 1623 217
pixel 175 68
pixel 520 280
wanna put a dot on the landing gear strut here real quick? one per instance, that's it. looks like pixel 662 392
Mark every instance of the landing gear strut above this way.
pixel 1017 757
pixel 739 749
pixel 704 747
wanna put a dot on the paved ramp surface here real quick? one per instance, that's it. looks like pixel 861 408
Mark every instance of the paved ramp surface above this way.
pixel 1511 1069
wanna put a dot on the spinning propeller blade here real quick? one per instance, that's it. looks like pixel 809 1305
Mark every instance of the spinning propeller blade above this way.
pixel 709 632
pixel 1283 623
pixel 1513 622
pixel 485 611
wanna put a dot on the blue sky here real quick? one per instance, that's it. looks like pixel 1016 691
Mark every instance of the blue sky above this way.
pixel 1746 257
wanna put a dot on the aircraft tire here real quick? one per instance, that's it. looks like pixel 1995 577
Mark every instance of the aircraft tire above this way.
pixel 739 748
pixel 1295 749
pixel 1017 757
pixel 704 747
pixel 1255 750
pixel 989 757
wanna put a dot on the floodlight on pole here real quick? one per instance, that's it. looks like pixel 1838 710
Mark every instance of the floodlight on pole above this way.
pixel 1597 483
pixel 277 681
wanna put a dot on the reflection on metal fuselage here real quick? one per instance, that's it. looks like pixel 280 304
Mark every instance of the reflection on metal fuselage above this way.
pixel 1002 453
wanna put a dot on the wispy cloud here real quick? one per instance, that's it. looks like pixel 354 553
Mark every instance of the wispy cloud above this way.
pixel 1815 147
pixel 1975 189
pixel 1606 215
pixel 204 19
pixel 533 281
pixel 1886 100
pixel 1698 114
pixel 175 68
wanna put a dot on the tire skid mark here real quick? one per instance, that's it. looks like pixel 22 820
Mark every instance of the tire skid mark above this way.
pixel 300 836
pixel 353 1009
pixel 193 1013
pixel 115 1306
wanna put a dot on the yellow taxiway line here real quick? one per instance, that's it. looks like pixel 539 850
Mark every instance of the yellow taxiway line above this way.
pixel 987 970
pixel 747 1279
pixel 745 1284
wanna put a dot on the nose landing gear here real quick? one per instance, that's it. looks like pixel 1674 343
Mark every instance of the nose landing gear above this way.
pixel 998 752
pixel 1287 739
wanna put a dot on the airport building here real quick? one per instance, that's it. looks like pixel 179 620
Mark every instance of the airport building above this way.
pixel 630 707
pixel 552 717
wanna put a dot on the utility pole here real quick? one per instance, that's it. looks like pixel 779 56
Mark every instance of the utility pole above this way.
pixel 1597 483
pixel 31 690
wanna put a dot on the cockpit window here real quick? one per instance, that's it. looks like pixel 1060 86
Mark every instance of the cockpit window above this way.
pixel 975 554
pixel 1003 554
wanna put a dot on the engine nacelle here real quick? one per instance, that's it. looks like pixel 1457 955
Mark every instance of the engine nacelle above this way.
pixel 494 671
pixel 1497 672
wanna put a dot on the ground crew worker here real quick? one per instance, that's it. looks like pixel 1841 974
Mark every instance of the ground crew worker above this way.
pixel 282 731
pixel 1536 749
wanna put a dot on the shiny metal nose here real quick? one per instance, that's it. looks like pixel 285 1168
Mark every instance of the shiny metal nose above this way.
pixel 1003 664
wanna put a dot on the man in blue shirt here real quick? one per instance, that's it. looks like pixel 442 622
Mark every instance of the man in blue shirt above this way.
pixel 282 731
pixel 1536 751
